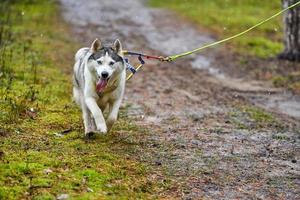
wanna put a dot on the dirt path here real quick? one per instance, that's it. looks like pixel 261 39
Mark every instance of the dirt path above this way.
pixel 205 139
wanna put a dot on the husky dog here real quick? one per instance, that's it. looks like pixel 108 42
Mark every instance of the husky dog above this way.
pixel 99 83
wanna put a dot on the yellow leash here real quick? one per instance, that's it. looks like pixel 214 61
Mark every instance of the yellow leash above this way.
pixel 174 57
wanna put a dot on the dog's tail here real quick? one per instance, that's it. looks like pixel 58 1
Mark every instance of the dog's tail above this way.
pixel 81 53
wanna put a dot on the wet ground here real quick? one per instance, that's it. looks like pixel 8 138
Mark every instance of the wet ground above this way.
pixel 201 138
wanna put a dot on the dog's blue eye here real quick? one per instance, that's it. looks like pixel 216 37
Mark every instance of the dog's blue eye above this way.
pixel 111 63
pixel 99 62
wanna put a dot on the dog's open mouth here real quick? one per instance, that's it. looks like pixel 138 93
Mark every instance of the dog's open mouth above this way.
pixel 101 84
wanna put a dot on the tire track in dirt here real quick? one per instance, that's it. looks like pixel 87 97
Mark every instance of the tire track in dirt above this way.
pixel 193 118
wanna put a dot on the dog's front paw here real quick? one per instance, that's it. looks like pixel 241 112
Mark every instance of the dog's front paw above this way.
pixel 102 129
pixel 89 135
pixel 101 132
pixel 92 132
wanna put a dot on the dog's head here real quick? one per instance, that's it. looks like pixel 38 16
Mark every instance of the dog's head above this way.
pixel 105 63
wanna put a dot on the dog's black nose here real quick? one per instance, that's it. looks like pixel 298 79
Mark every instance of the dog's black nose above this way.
pixel 104 74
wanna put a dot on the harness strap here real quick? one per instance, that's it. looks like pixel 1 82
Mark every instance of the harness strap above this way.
pixel 129 66
pixel 141 60
pixel 142 55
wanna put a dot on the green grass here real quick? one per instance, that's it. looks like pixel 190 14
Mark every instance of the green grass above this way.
pixel 249 117
pixel 291 81
pixel 228 17
pixel 37 161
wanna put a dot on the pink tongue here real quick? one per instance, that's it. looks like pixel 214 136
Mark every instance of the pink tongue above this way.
pixel 101 84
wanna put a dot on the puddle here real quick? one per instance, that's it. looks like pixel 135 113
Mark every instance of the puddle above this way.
pixel 201 62
pixel 285 103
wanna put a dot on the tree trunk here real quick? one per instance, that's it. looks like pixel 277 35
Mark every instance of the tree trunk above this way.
pixel 291 32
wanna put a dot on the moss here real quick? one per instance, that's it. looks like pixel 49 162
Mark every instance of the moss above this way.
pixel 258 115
pixel 295 87
pixel 249 117
pixel 45 196
pixel 280 137
pixel 290 81
pixel 40 160
pixel 279 81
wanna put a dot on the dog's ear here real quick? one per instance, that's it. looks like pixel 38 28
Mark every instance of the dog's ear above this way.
pixel 118 47
pixel 96 45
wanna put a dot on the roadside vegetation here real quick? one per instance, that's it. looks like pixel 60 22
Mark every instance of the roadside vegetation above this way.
pixel 225 18
pixel 43 154
pixel 229 17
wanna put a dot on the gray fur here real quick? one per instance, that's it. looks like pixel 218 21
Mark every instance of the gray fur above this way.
pixel 110 51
